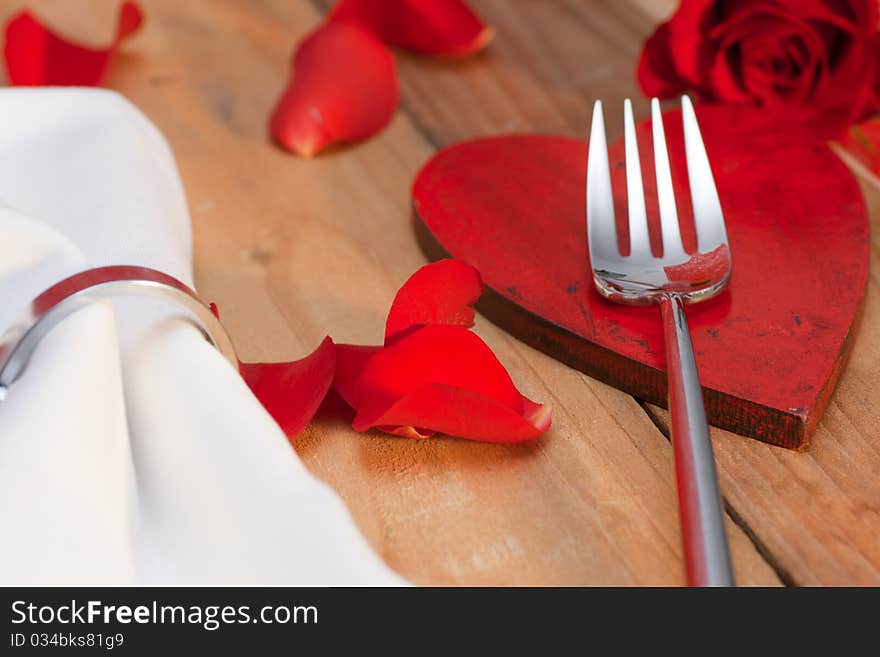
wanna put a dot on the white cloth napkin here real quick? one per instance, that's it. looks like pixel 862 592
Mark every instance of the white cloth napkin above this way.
pixel 131 452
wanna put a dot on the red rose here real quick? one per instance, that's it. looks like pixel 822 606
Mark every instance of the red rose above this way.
pixel 813 61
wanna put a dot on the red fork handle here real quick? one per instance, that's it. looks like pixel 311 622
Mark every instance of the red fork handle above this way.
pixel 706 554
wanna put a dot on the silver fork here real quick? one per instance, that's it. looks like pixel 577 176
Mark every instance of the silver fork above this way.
pixel 671 280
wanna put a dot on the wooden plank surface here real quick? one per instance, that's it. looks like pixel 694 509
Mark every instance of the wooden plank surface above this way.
pixel 293 249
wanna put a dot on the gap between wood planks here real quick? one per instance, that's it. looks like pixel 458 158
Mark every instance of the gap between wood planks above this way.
pixel 781 572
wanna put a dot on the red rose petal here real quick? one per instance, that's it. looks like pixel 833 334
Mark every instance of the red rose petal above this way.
pixel 458 412
pixel 688 46
pixel 656 73
pixel 450 355
pixel 442 292
pixel 292 392
pixel 36 56
pixel 444 378
pixel 430 377
pixel 344 89
pixel 430 27
pixel 351 359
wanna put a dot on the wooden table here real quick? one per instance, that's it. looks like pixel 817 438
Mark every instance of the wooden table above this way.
pixel 292 249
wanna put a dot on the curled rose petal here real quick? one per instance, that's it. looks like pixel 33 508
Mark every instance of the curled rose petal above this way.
pixel 430 27
pixel 442 292
pixel 37 56
pixel 344 88
pixel 351 359
pixel 450 355
pixel 446 379
pixel 656 72
pixel 433 374
pixel 292 392
pixel 458 412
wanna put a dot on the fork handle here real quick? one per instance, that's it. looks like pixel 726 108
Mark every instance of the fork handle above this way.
pixel 707 556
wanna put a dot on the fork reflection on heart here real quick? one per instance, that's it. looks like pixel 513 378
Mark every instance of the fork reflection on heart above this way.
pixel 770 347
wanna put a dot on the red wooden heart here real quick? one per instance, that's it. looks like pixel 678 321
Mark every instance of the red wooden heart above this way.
pixel 769 348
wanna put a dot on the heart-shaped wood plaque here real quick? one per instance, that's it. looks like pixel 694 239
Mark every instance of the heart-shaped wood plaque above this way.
pixel 769 348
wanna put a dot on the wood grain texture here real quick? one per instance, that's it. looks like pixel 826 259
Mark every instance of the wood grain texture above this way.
pixel 293 249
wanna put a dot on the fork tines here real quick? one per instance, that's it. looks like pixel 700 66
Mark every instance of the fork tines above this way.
pixel 708 218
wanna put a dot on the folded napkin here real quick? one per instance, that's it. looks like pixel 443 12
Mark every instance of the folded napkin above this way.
pixel 131 452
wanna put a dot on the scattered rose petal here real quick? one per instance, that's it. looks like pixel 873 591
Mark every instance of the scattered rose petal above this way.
pixel 442 378
pixel 351 359
pixel 460 412
pixel 448 355
pixel 432 376
pixel 655 72
pixel 429 27
pixel 344 88
pixel 443 292
pixel 292 392
pixel 37 56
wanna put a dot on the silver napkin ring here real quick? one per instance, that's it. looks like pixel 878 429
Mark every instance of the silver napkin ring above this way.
pixel 69 295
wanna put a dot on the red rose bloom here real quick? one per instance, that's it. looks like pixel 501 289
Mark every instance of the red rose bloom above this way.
pixel 813 61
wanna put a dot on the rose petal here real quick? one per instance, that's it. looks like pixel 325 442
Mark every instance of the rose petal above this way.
pixel 457 412
pixel 442 292
pixel 655 72
pixel 850 91
pixel 430 27
pixel 428 378
pixel 450 355
pixel 292 392
pixel 36 56
pixel 344 89
pixel 743 32
pixel 688 46
pixel 351 359
pixel 444 378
